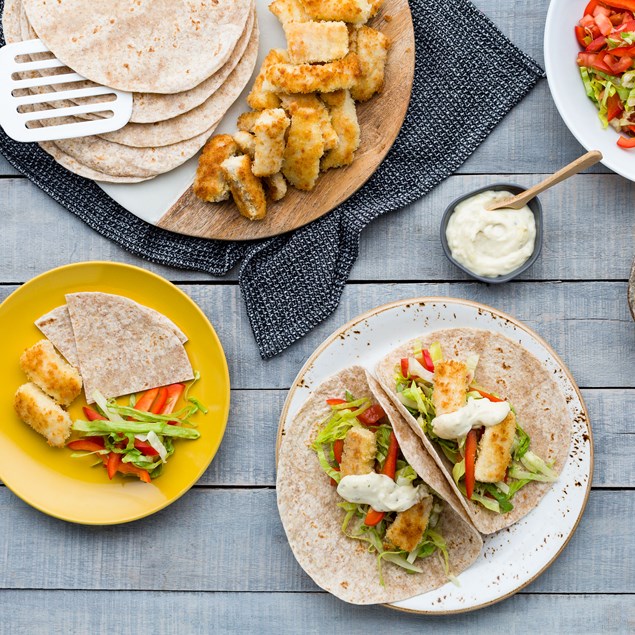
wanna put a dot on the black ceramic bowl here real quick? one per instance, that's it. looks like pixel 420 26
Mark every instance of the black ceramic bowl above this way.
pixel 534 206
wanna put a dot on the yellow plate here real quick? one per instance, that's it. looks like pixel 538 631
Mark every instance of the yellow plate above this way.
pixel 47 478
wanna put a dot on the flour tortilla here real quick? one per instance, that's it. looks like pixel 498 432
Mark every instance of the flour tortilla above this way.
pixel 312 521
pixel 155 46
pixel 119 160
pixel 505 368
pixel 11 21
pixel 57 327
pixel 83 170
pixel 122 348
pixel 195 121
pixel 151 107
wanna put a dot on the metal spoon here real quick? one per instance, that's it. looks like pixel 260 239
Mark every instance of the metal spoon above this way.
pixel 520 200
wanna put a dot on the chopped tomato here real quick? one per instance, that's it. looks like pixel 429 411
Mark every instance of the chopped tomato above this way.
pixel 594 60
pixel 596 44
pixel 590 8
pixel 603 23
pixel 618 66
pixel 580 35
pixel 372 415
pixel 623 51
pixel 600 10
pixel 614 107
pixel 626 142
pixel 629 5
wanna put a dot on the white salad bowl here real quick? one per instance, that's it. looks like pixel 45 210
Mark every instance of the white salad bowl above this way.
pixel 576 109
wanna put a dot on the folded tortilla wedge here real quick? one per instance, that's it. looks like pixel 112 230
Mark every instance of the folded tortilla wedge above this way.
pixel 312 520
pixel 508 369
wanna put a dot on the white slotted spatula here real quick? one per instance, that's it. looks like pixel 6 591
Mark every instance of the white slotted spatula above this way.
pixel 15 122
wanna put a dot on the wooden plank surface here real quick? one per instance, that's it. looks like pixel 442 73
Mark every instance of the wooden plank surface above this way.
pixel 589 234
pixel 232 540
pixel 290 614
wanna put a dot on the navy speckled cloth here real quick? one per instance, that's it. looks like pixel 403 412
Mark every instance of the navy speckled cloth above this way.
pixel 468 76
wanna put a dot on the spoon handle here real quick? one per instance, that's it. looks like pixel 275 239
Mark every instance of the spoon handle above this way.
pixel 518 201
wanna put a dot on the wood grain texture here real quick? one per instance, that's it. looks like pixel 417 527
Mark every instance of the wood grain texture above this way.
pixel 569 315
pixel 380 121
pixel 232 540
pixel 589 234
pixel 199 613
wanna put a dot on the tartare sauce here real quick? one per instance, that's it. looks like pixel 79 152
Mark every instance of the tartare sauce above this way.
pixel 380 492
pixel 474 414
pixel 494 243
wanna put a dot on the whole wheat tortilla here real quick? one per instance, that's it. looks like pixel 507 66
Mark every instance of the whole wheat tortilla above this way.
pixel 155 46
pixel 121 348
pixel 57 328
pixel 312 521
pixel 11 21
pixel 151 107
pixel 508 369
pixel 195 121
pixel 119 160
pixel 80 169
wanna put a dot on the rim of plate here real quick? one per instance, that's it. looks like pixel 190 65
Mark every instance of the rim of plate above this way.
pixel 225 369
pixel 581 134
pixel 470 303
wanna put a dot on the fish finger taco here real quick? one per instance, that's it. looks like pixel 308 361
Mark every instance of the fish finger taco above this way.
pixel 488 412
pixel 368 514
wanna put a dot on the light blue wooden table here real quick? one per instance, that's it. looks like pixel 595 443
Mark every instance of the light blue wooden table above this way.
pixel 217 561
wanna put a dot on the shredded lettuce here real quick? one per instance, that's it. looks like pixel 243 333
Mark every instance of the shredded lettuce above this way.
pixel 435 352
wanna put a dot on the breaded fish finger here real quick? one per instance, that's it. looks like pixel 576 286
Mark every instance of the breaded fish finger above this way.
pixel 354 11
pixel 310 42
pixel 358 454
pixel 495 450
pixel 210 184
pixel 46 368
pixel 304 149
pixel 407 529
pixel 343 116
pixel 269 130
pixel 46 417
pixel 246 188
pixel 450 386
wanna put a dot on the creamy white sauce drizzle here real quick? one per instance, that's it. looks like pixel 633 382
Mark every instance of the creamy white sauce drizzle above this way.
pixel 494 243
pixel 380 492
pixel 474 414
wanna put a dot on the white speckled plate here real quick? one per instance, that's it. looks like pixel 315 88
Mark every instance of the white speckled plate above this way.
pixel 513 557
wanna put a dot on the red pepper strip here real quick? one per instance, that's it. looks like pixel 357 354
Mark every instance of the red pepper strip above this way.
pixel 632 129
pixel 338 448
pixel 389 469
pixel 335 402
pixel 145 448
pixel 146 400
pixel 404 366
pixel 626 142
pixel 159 402
pixel 114 461
pixel 174 393
pixel 470 459
pixel 92 415
pixel 129 468
pixel 629 5
pixel 372 415
pixel 488 396
pixel 85 445
pixel 591 7
pixel 428 364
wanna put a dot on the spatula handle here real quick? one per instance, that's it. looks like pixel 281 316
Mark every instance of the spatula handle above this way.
pixel 582 163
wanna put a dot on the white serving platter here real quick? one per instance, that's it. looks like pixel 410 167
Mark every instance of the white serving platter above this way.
pixel 577 111
pixel 515 556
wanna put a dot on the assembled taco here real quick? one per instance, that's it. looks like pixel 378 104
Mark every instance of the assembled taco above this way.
pixel 368 514
pixel 488 412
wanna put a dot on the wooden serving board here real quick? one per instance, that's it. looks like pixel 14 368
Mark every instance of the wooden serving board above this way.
pixel 380 121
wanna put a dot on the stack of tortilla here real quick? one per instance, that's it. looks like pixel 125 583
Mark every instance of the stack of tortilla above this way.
pixel 119 346
pixel 185 63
